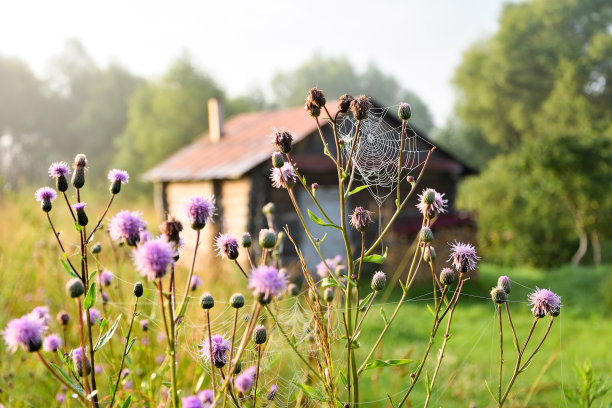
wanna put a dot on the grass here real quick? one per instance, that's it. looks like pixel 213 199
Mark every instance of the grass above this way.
pixel 31 275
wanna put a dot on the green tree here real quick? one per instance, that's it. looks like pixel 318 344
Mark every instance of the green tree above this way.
pixel 336 76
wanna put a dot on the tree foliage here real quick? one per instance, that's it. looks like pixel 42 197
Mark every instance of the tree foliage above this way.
pixel 336 76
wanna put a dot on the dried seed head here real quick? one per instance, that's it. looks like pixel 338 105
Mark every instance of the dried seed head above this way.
pixel 171 228
pixel 316 97
pixel 361 219
pixel 344 103
pixel 360 107
pixel 283 141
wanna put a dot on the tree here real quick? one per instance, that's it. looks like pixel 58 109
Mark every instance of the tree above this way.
pixel 336 76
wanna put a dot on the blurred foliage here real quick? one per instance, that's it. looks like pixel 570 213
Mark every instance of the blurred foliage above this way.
pixel 592 388
pixel 540 90
pixel 337 76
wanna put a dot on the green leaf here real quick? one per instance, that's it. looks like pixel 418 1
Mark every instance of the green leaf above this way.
pixel 183 309
pixel 377 259
pixel 388 363
pixel 311 392
pixel 327 283
pixel 127 402
pixel 343 379
pixel 129 347
pixel 390 401
pixel 107 336
pixel 383 315
pixel 67 268
pixel 78 227
pixel 491 392
pixel 355 345
pixel 364 302
pixel 90 299
pixel 320 222
pixel 91 275
pixel 431 311
pixel 358 189
pixel 68 379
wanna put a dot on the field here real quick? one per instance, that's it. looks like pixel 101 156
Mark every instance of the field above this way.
pixel 31 275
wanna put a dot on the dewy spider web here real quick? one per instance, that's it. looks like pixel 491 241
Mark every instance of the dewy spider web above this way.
pixel 376 155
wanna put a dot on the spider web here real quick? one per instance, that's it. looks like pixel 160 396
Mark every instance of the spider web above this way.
pixel 376 155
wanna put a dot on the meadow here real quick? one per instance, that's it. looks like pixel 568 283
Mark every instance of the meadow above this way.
pixel 32 275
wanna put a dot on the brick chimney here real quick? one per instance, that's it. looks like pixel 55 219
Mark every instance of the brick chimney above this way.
pixel 215 119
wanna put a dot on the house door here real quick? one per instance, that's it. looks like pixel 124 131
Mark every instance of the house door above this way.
pixel 333 243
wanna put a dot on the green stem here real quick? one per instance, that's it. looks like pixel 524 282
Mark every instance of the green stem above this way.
pixel 181 312
pixel 101 218
pixel 59 378
pixel 399 162
pixel 127 342
pixel 501 351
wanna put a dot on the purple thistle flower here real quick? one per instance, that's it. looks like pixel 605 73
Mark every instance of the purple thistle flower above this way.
pixel 57 169
pixel 333 263
pixel 227 246
pixel 267 282
pixel 195 282
pixel 545 302
pixel 41 313
pixel 192 401
pixel 145 236
pixel 45 194
pixel 361 219
pixel 244 381
pixel 98 369
pixel 126 225
pixel 272 392
pixel 283 177
pixel 463 256
pixel 106 277
pixel 219 346
pixel 206 397
pixel 94 315
pixel 118 175
pixel 60 397
pixel 79 206
pixel 199 211
pixel 52 342
pixel 25 332
pixel 431 203
pixel 153 258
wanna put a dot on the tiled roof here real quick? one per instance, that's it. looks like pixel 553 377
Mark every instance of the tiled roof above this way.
pixel 246 142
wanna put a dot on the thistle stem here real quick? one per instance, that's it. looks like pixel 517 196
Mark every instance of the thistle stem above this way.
pixel 210 355
pixel 101 218
pixel 181 312
pixel 59 378
pixel 127 342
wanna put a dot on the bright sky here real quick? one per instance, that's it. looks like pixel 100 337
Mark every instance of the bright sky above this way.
pixel 242 43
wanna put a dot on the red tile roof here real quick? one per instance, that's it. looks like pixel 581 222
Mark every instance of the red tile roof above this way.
pixel 246 142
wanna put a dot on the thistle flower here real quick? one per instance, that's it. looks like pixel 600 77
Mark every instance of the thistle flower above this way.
pixel 272 392
pixel 544 302
pixel 195 282
pixel 244 381
pixel 94 315
pixel 199 211
pixel 144 325
pixel 206 397
pixel 59 171
pixel 192 401
pixel 117 178
pixel 45 195
pixel 52 342
pixel 344 103
pixel 126 225
pixel 153 258
pixel 463 256
pixel 41 313
pixel 267 282
pixel 431 203
pixel 227 246
pixel 332 263
pixel 283 141
pixel 171 229
pixel 79 166
pixel 78 354
pixel 24 332
pixel 60 397
pixel 219 346
pixel 504 282
pixel 63 318
pixel 361 219
pixel 283 177
pixel 404 112
pixel 316 97
pixel 106 277
pixel 360 107
pixel 80 213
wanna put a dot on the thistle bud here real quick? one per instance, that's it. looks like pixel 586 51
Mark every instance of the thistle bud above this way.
pixel 97 248
pixel 344 103
pixel 379 281
pixel 78 357
pixel 272 392
pixel 138 289
pixel 404 112
pixel 360 107
pixel 267 238
pixel 269 209
pixel 79 166
pixel 429 253
pixel 429 196
pixel 81 216
pixel 504 283
pixel 427 235
pixel 283 141
pixel 144 325
pixel 410 179
pixel 313 294
pixel 207 301
pixel 278 160
pixel 63 318
pixel 498 295
pixel 238 367
pixel 245 240
pixel 328 295
pixel 448 276
pixel 237 300
pixel 314 187
pixel 260 335
pixel 312 109
pixel 293 289
pixel 75 288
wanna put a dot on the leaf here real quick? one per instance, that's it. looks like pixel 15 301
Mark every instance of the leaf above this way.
pixel 431 311
pixel 377 259
pixel 388 363
pixel 311 392
pixel 127 402
pixel 364 302
pixel 68 379
pixel 90 299
pixel 328 283
pixel 78 227
pixel 129 347
pixel 384 316
pixel 320 222
pixel 358 189
pixel 343 379
pixel 183 309
pixel 91 275
pixel 397 203
pixel 390 401
pixel 107 336
pixel 319 242
pixel 491 392
pixel 67 268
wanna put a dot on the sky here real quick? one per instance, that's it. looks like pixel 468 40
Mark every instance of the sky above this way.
pixel 243 43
